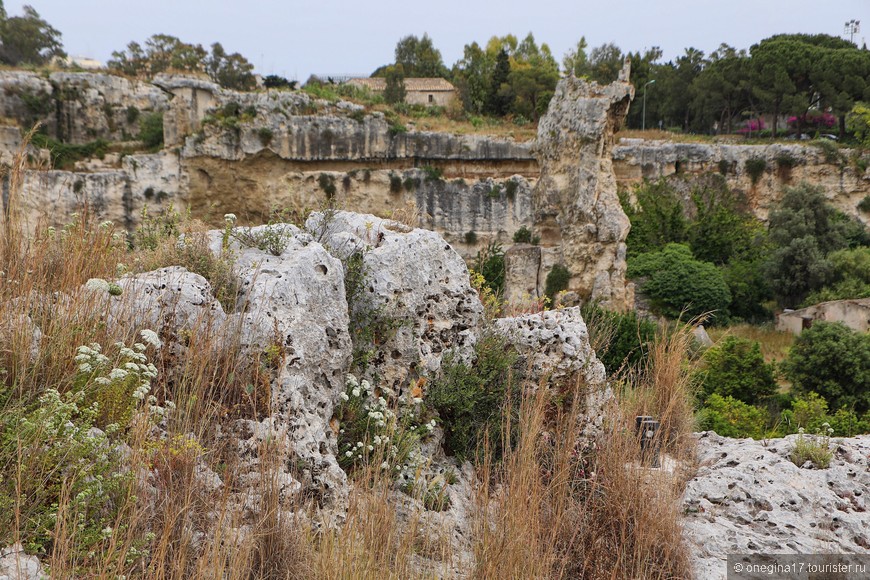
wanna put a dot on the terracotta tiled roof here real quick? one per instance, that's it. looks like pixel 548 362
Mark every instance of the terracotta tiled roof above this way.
pixel 411 84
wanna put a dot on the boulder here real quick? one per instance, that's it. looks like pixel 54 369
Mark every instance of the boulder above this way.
pixel 416 282
pixel 748 497
pixel 292 309
pixel 16 565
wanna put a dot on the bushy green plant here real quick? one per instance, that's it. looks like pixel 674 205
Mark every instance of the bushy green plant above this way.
pixel 273 238
pixel 470 238
pixel 395 183
pixel 557 280
pixel 804 229
pixel 730 417
pixel 621 339
pixel 657 218
pixel 815 449
pixel 832 360
pixel 864 204
pixel 525 236
pixel 151 130
pixel 489 262
pixel 411 183
pixel 735 367
pixel 510 189
pixel 677 284
pixel 266 135
pixel 433 173
pixel 64 155
pixel 470 399
pixel 327 184
pixel 850 277
pixel 755 168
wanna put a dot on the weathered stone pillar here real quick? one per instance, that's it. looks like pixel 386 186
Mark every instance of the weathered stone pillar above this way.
pixel 522 265
pixel 575 201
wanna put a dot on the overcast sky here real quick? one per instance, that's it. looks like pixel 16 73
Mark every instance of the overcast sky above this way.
pixel 295 38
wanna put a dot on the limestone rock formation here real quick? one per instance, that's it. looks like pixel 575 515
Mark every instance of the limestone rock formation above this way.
pixel 292 304
pixel 748 497
pixel 556 349
pixel 575 200
pixel 416 281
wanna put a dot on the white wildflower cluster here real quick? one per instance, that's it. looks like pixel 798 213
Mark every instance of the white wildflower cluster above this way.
pixel 130 369
pixel 97 284
pixel 378 426
pixel 230 218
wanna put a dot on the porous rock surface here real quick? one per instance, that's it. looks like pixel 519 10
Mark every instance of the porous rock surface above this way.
pixel 748 497
pixel 415 279
pixel 294 304
pixel 575 199
pixel 16 565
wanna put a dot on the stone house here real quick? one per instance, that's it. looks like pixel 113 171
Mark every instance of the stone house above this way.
pixel 418 91
pixel 853 313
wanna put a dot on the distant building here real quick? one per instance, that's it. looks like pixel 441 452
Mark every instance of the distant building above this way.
pixel 853 313
pixel 426 91
pixel 82 62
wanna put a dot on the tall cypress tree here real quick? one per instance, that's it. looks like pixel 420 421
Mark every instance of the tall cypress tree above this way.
pixel 500 96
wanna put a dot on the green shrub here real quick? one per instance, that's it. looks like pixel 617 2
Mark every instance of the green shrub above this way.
pixel 621 339
pixel 832 360
pixel 64 155
pixel 510 189
pixel 850 277
pixel 151 130
pixel 830 151
pixel 489 262
pixel 724 166
pixel 411 183
pixel 395 183
pixel 785 160
pixel 471 238
pixel 524 236
pixel 433 173
pixel 470 399
pixel 558 279
pixel 730 417
pixel 658 218
pixel 735 367
pixel 266 135
pixel 678 285
pixel 755 167
pixel 132 114
pixel 864 204
pixel 327 184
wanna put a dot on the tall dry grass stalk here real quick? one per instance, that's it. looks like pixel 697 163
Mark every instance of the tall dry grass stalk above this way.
pixel 553 510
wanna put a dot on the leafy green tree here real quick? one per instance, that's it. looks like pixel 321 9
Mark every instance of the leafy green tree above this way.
pixel 832 360
pixel 490 264
pixel 657 218
pixel 231 71
pixel 28 38
pixel 501 96
pixel 850 276
pixel 161 53
pixel 735 367
pixel 804 229
pixel 721 91
pixel 723 229
pixel 678 284
pixel 576 61
pixel 471 76
pixel 419 57
pixel 625 338
pixel 605 62
pixel 858 122
pixel 394 91
pixel 730 417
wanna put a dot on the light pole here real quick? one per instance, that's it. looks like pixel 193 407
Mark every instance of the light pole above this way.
pixel 643 123
pixel 852 28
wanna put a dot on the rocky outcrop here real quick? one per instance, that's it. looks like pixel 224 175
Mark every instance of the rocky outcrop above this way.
pixel 843 174
pixel 79 107
pixel 749 498
pixel 415 292
pixel 15 564
pixel 575 199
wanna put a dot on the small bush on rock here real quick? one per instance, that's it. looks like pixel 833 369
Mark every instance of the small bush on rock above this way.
pixel 469 398
pixel 558 279
pixel 815 449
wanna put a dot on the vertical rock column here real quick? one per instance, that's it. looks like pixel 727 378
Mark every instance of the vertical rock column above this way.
pixel 575 201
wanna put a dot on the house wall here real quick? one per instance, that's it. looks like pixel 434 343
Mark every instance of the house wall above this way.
pixel 439 98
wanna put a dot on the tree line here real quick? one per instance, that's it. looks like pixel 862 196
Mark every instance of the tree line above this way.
pixel 814 81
